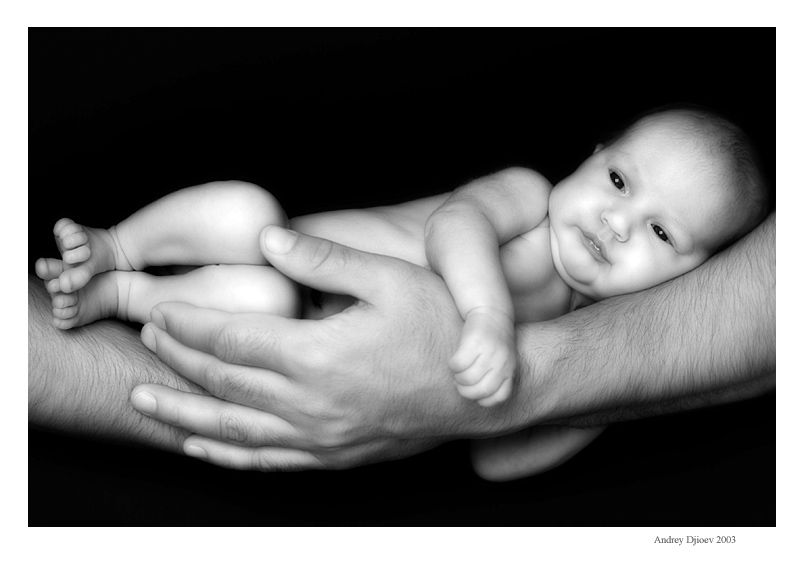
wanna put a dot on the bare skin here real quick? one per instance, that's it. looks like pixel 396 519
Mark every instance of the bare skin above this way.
pixel 327 393
pixel 344 408
pixel 611 234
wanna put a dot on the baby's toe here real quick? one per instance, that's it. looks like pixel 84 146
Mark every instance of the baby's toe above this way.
pixel 64 300
pixel 65 312
pixel 48 268
pixel 77 255
pixel 59 227
pixel 65 323
pixel 70 229
pixel 40 267
pixel 72 241
pixel 67 228
pixel 53 286
pixel 74 279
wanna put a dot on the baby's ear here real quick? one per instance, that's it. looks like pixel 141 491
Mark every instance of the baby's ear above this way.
pixel 598 147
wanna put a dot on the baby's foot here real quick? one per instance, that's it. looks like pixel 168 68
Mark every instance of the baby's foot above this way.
pixel 485 363
pixel 97 300
pixel 86 253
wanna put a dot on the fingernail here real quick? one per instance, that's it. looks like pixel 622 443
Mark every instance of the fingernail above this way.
pixel 158 319
pixel 148 337
pixel 278 240
pixel 195 451
pixel 144 402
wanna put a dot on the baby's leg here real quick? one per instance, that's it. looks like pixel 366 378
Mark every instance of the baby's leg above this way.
pixel 214 223
pixel 528 452
pixel 132 295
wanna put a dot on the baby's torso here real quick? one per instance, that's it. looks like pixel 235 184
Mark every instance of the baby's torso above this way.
pixel 538 292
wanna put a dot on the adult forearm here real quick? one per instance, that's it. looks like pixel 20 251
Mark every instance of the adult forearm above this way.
pixel 372 383
pixel 79 380
pixel 708 337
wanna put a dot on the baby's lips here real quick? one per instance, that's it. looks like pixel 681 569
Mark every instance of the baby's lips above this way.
pixel 596 246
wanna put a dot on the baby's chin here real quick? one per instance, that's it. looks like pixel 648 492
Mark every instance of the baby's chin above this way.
pixel 580 279
pixel 589 291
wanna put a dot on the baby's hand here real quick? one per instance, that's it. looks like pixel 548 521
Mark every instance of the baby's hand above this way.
pixel 485 362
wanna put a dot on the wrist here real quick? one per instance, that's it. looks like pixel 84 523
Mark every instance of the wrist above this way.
pixel 501 313
pixel 539 396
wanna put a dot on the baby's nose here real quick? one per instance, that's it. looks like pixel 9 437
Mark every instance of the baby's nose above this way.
pixel 614 225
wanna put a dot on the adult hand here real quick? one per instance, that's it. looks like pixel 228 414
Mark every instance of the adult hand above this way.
pixel 368 384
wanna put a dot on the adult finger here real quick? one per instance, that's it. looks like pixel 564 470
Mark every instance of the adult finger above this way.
pixel 256 339
pixel 263 458
pixel 328 266
pixel 262 388
pixel 214 418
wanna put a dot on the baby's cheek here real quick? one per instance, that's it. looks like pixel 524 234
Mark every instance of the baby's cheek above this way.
pixel 580 266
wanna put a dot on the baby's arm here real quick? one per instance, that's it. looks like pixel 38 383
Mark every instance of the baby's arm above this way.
pixel 462 242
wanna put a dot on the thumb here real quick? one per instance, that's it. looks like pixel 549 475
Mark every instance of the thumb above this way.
pixel 326 265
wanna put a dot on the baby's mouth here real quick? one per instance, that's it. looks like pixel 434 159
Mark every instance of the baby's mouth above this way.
pixel 596 248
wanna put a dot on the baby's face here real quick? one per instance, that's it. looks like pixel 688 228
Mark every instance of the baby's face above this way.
pixel 635 214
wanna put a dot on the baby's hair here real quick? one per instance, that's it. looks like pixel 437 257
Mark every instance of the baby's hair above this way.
pixel 740 161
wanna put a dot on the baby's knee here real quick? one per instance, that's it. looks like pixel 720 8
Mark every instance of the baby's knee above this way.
pixel 270 291
pixel 251 289
pixel 253 202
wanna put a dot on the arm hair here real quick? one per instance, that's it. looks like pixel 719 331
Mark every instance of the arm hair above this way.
pixel 706 338
pixel 79 380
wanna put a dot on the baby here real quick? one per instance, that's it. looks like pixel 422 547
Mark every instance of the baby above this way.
pixel 649 205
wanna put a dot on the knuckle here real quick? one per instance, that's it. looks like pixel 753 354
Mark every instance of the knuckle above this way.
pixel 264 461
pixel 322 255
pixel 319 357
pixel 231 428
pixel 485 390
pixel 240 342
pixel 469 392
pixel 226 343
pixel 173 415
pixel 215 379
pixel 468 378
pixel 320 412
pixel 329 430
pixel 332 437
pixel 231 383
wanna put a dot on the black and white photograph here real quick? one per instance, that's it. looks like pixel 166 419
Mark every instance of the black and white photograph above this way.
pixel 402 277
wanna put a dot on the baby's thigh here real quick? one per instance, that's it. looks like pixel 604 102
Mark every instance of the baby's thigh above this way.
pixel 245 289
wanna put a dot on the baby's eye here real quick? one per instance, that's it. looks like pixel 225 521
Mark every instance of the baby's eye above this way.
pixel 660 233
pixel 616 180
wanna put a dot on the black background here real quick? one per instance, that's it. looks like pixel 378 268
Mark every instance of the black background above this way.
pixel 331 119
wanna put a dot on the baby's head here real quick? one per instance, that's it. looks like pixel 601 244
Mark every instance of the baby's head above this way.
pixel 655 202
